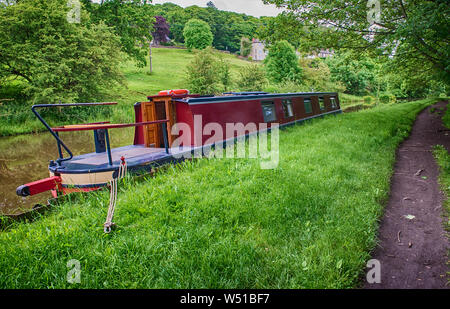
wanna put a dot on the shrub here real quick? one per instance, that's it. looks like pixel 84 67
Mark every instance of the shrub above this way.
pixel 224 72
pixel 169 43
pixel 282 63
pixel 246 47
pixel 252 78
pixel 57 60
pixel 208 73
pixel 392 99
pixel 358 75
pixel 368 100
pixel 197 34
pixel 384 98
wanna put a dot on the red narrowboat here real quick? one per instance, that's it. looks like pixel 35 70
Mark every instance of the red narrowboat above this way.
pixel 161 133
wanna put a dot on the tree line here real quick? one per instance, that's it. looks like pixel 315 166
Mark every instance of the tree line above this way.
pixel 227 27
pixel 45 57
pixel 401 47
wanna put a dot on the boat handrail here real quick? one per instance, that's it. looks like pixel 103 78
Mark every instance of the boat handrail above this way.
pixel 92 126
pixel 105 127
pixel 55 134
pixel 73 128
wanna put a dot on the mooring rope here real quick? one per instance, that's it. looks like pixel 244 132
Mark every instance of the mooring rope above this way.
pixel 113 196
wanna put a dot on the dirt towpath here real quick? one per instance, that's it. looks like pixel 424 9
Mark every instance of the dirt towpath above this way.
pixel 413 246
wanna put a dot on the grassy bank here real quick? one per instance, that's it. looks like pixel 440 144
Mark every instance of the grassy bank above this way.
pixel 310 223
pixel 443 159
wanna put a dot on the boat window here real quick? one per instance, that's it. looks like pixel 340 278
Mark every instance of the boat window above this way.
pixel 333 102
pixel 269 113
pixel 322 104
pixel 308 106
pixel 287 108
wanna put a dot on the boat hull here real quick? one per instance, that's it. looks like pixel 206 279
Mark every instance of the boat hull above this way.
pixel 76 176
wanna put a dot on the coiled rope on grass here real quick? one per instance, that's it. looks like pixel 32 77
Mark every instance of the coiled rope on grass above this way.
pixel 113 184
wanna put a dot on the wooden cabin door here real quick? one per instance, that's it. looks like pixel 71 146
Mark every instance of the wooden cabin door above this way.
pixel 162 108
pixel 171 111
pixel 151 132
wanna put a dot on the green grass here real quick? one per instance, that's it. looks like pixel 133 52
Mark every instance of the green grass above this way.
pixel 443 159
pixel 446 117
pixel 169 67
pixel 168 73
pixel 211 223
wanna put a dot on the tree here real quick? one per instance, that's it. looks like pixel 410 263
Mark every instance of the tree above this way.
pixel 252 78
pixel 132 21
pixel 161 30
pixel 282 63
pixel 197 34
pixel 54 59
pixel 415 32
pixel 227 27
pixel 202 73
pixel 358 76
pixel 409 82
pixel 283 27
pixel 177 19
pixel 224 72
pixel 211 5
pixel 317 76
pixel 246 47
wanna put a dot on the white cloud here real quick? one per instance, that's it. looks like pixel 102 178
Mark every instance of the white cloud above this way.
pixel 250 7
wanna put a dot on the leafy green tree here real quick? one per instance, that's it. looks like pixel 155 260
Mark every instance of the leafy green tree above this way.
pixel 358 75
pixel 197 34
pixel 282 63
pixel 283 27
pixel 227 27
pixel 252 78
pixel 224 72
pixel 54 59
pixel 317 76
pixel 410 82
pixel 414 32
pixel 202 73
pixel 211 4
pixel 177 19
pixel 132 21
pixel 246 47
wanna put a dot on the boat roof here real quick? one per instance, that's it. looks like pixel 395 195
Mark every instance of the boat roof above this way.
pixel 247 96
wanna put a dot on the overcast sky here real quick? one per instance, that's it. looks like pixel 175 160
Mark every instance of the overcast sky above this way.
pixel 250 7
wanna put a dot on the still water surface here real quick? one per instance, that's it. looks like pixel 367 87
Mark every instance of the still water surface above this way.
pixel 25 158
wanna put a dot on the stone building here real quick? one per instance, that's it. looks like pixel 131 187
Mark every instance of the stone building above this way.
pixel 259 51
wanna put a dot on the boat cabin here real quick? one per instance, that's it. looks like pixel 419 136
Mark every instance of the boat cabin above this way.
pixel 242 107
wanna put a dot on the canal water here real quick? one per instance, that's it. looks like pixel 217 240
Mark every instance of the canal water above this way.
pixel 25 158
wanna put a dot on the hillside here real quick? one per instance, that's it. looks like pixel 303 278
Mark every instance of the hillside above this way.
pixel 168 73
pixel 169 65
